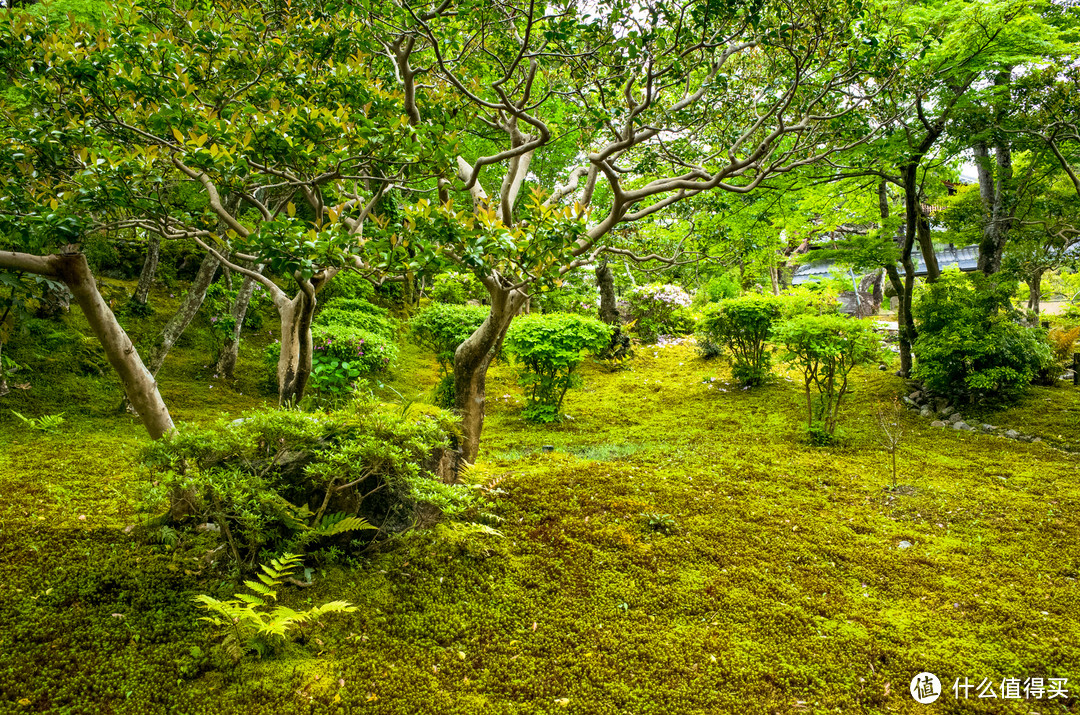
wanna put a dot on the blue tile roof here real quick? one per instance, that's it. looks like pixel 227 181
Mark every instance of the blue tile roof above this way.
pixel 966 258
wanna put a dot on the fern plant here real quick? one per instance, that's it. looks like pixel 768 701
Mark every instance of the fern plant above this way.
pixel 310 526
pixel 45 423
pixel 252 624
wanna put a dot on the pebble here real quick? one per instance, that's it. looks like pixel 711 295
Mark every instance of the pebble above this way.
pixel 904 545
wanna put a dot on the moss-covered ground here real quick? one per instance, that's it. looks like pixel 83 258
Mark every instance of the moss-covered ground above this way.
pixel 781 587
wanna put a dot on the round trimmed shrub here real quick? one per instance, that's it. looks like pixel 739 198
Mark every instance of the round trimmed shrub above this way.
pixel 548 350
pixel 742 326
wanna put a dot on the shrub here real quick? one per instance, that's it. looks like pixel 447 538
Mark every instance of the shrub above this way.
pixel 347 285
pixel 283 480
pixel 574 295
pixel 456 288
pixel 742 326
pixel 659 310
pixel 372 322
pixel 441 328
pixel 819 298
pixel 718 288
pixel 342 353
pixel 1071 314
pixel 1062 344
pixel 351 305
pixel 548 350
pixel 825 348
pixel 970 344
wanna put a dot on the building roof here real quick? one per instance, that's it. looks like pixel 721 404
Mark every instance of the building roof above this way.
pixel 966 258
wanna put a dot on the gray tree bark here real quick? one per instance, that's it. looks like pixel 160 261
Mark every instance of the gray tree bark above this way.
pixel 472 359
pixel 139 384
pixel 226 364
pixel 605 282
pixel 183 316
pixel 149 270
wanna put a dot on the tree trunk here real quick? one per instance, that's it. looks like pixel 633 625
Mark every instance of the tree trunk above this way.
pixel 997 189
pixel 139 385
pixel 294 365
pixel 3 375
pixel 226 364
pixel 926 246
pixel 149 270
pixel 180 320
pixel 905 326
pixel 904 322
pixel 1035 285
pixel 605 281
pixel 471 362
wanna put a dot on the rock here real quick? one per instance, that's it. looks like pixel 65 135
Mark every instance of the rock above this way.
pixel 916 396
pixel 941 404
pixel 237 422
pixel 904 545
pixel 208 528
pixel 883 367
pixel 937 423
pixel 861 305
pixel 909 402
pixel 961 425
pixel 955 417
pixel 1012 434
pixel 894 303
pixel 987 428
pixel 1036 440
pixel 899 373
pixel 926 413
pixel 1025 438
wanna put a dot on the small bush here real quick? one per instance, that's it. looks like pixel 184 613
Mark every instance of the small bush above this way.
pixel 372 322
pixel 1062 345
pixel 283 480
pixel 819 298
pixel 659 310
pixel 718 288
pixel 970 344
pixel 341 354
pixel 347 285
pixel 742 326
pixel 548 350
pixel 441 328
pixel 825 348
pixel 456 288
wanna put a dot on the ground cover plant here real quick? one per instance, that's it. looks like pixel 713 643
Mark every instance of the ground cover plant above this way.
pixel 766 572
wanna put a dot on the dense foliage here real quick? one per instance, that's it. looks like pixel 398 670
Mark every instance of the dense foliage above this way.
pixel 972 344
pixel 441 328
pixel 825 349
pixel 548 350
pixel 657 309
pixel 286 480
pixel 743 326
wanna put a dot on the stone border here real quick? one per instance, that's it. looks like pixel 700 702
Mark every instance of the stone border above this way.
pixel 944 414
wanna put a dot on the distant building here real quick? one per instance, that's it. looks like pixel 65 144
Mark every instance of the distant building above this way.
pixel 966 258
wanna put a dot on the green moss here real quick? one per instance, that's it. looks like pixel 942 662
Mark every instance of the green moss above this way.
pixel 781 583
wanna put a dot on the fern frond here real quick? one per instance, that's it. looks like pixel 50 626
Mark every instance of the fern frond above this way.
pixel 343 525
pixel 251 600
